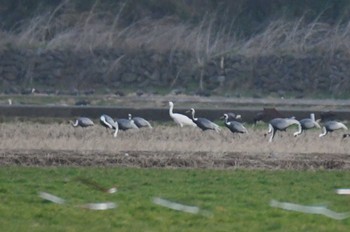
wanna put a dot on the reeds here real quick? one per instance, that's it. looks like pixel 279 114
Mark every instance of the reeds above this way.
pixel 64 28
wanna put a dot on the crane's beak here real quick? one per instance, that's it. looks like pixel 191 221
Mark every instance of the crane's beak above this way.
pixel 188 111
pixel 222 117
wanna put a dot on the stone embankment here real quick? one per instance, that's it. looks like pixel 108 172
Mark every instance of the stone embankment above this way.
pixel 111 71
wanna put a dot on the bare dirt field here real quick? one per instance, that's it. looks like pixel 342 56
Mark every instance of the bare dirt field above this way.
pixel 167 146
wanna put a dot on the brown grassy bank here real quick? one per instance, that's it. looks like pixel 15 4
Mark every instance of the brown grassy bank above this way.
pixel 21 135
pixel 165 146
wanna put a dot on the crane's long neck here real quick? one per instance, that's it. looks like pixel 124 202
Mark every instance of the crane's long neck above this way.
pixel 116 132
pixel 317 124
pixel 149 125
pixel 171 113
pixel 193 118
pixel 103 118
pixel 324 132
pixel 343 126
pixel 75 124
pixel 312 116
pixel 292 121
pixel 299 129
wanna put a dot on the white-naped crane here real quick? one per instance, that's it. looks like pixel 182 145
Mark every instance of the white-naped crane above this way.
pixel 308 123
pixel 281 124
pixel 108 122
pixel 203 123
pixel 331 126
pixel 234 126
pixel 141 122
pixel 180 119
pixel 126 124
pixel 83 122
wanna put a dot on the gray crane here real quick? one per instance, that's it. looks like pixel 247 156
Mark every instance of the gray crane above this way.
pixel 141 122
pixel 281 124
pixel 308 123
pixel 203 123
pixel 126 124
pixel 108 122
pixel 331 126
pixel 234 126
pixel 83 122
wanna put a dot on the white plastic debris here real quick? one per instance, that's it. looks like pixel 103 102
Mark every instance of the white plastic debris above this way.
pixel 176 206
pixel 52 198
pixel 310 209
pixel 100 206
pixel 112 190
pixel 343 191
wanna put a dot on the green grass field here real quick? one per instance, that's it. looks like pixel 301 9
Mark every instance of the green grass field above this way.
pixel 238 200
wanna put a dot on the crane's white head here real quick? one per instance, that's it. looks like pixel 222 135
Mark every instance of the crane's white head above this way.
pixel 171 104
pixel 192 111
pixel 225 116
pixel 129 116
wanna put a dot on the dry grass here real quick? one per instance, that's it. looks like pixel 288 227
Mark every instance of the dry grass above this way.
pixel 62 137
pixel 63 28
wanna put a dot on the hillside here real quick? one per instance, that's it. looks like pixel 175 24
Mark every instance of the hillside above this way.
pixel 230 48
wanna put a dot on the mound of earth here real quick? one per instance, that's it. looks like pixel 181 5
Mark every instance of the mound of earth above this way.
pixel 173 159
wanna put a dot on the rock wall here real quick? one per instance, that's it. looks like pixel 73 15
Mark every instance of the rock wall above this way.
pixel 110 71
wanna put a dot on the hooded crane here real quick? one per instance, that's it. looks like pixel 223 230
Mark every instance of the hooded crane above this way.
pixel 308 123
pixel 234 126
pixel 141 122
pixel 282 124
pixel 203 123
pixel 126 124
pixel 108 122
pixel 83 122
pixel 331 126
pixel 180 119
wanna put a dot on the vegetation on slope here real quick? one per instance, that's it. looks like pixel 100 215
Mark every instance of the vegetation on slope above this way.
pixel 203 27
pixel 203 31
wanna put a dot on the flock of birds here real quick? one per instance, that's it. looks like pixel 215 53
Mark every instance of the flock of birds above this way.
pixel 230 121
